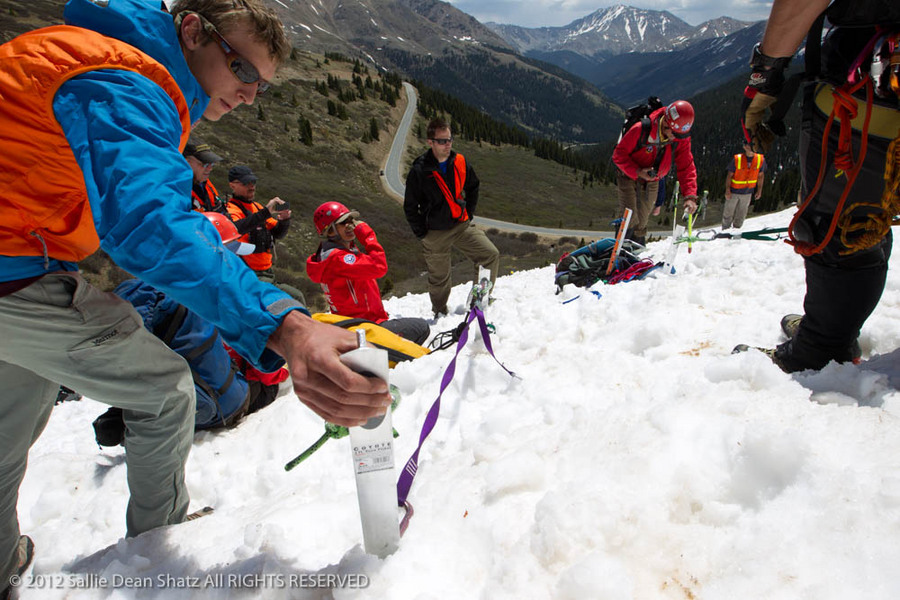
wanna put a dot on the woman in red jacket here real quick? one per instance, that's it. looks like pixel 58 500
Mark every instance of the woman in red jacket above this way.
pixel 346 265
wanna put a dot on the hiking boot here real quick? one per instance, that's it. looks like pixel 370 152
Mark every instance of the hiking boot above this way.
pixel 206 510
pixel 25 551
pixel 790 324
pixel 67 395
pixel 770 352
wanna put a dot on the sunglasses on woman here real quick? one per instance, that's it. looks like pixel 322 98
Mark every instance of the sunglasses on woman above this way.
pixel 242 68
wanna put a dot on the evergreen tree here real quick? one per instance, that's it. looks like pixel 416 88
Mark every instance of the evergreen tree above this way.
pixel 373 129
pixel 306 135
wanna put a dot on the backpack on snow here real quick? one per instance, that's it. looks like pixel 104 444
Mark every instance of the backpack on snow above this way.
pixel 588 265
pixel 399 349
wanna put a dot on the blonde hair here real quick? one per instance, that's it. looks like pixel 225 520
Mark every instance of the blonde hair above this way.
pixel 225 15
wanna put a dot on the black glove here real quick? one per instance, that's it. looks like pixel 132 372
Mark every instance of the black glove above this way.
pixel 766 83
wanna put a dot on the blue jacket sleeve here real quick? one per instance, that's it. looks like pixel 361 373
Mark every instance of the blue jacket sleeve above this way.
pixel 124 131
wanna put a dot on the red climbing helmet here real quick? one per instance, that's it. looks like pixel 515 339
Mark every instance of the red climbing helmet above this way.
pixel 329 213
pixel 229 234
pixel 224 226
pixel 680 117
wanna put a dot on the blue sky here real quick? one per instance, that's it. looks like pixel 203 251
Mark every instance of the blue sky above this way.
pixel 555 13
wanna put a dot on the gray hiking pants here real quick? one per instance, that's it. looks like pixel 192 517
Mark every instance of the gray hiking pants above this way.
pixel 436 247
pixel 61 330
pixel 735 210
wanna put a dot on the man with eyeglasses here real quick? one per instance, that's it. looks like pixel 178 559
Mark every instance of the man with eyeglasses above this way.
pixel 440 202
pixel 102 108
pixel 259 225
pixel 201 159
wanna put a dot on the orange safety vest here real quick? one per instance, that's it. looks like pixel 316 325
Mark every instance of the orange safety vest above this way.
pixel 746 174
pixel 45 206
pixel 459 179
pixel 258 261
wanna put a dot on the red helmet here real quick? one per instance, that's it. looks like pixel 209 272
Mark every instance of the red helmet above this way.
pixel 680 117
pixel 223 225
pixel 329 213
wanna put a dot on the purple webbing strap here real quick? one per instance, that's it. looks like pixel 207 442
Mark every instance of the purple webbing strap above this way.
pixel 412 465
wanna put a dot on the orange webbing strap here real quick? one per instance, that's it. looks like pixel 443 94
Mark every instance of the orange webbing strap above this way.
pixel 459 177
pixel 845 108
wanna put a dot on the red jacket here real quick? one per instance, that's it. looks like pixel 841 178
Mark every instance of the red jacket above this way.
pixel 631 156
pixel 348 276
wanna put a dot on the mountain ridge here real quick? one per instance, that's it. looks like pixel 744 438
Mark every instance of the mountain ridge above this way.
pixel 617 30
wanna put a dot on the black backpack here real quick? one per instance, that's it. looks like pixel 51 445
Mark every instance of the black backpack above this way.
pixel 640 113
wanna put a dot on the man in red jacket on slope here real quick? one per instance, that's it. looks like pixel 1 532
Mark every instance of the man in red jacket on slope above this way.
pixel 645 155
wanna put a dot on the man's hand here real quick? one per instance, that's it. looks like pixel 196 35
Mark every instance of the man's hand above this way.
pixel 647 174
pixel 656 210
pixel 274 206
pixel 320 379
pixel 690 204
pixel 765 84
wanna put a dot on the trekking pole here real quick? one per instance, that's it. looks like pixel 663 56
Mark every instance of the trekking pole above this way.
pixel 675 207
pixel 690 232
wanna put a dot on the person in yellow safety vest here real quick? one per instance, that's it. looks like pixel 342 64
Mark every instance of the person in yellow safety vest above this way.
pixel 742 186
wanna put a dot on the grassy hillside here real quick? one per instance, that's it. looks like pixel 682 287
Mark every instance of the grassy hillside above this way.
pixel 342 163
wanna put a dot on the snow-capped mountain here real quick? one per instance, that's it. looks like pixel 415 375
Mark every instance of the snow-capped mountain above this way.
pixel 616 30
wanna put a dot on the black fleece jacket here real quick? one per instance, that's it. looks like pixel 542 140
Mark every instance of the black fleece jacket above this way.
pixel 425 205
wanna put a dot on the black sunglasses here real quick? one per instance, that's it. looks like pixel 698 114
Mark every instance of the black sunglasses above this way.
pixel 242 68
pixel 442 141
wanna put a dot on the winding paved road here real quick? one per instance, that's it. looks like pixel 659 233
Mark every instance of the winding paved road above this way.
pixel 395 186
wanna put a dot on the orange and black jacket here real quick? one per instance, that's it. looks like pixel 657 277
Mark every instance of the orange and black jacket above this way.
pixel 259 228
pixel 205 198
pixel 436 199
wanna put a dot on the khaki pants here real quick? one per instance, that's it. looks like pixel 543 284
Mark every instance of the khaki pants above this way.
pixel 469 240
pixel 61 330
pixel 640 196
pixel 735 210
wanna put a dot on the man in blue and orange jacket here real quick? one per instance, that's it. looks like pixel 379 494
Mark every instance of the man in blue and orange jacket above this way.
pixel 93 119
